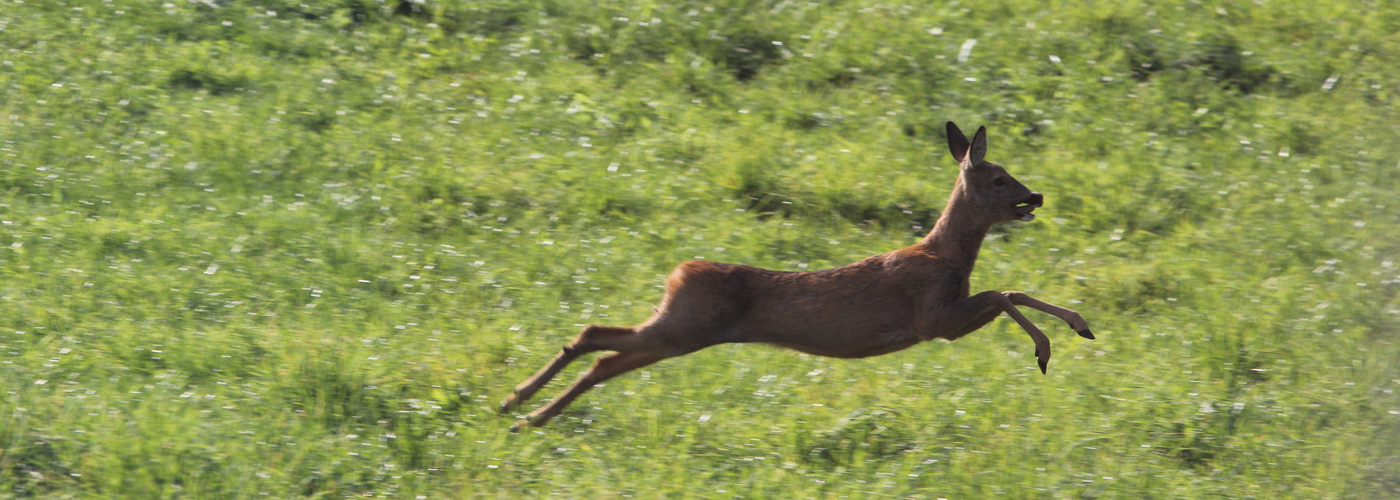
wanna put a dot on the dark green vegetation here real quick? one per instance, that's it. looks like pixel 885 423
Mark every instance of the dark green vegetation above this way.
pixel 302 249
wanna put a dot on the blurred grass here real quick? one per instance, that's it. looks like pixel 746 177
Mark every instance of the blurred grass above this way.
pixel 288 249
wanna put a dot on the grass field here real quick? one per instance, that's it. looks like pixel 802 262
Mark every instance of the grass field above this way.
pixel 283 249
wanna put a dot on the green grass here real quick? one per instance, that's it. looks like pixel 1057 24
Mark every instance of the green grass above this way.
pixel 299 249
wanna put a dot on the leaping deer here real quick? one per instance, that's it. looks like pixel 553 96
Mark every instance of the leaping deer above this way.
pixel 878 305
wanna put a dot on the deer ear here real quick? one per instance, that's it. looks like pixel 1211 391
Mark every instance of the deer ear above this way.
pixel 978 150
pixel 957 142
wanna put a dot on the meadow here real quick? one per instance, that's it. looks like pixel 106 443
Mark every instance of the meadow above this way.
pixel 267 248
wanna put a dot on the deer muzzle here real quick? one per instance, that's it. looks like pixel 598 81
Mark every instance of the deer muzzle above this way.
pixel 1029 205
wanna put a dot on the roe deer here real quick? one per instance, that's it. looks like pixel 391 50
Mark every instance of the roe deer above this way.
pixel 879 305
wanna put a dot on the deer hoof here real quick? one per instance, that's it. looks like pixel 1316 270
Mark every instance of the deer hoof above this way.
pixel 1085 333
pixel 507 404
pixel 518 424
pixel 1043 363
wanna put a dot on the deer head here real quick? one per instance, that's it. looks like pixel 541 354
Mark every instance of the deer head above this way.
pixel 985 187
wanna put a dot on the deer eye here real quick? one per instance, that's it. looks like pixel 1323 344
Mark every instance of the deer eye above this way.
pixel 999 181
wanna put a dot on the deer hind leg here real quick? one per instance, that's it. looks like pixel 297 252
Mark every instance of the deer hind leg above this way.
pixel 592 338
pixel 605 368
pixel 665 335
pixel 1068 315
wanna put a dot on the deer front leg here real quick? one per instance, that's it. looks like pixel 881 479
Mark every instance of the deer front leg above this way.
pixel 967 315
pixel 1068 315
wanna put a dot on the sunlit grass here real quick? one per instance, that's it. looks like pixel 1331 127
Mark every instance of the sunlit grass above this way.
pixel 303 249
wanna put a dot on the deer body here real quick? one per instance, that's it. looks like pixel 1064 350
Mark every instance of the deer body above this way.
pixel 875 306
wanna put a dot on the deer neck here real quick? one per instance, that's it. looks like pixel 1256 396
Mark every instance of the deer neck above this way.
pixel 958 234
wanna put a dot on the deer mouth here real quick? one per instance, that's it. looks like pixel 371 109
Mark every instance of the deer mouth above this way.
pixel 1024 209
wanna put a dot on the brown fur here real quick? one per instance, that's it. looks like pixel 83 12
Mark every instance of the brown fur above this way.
pixel 878 305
